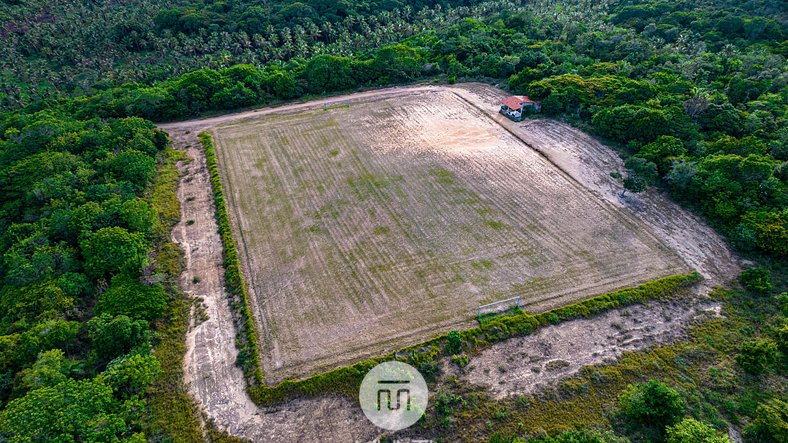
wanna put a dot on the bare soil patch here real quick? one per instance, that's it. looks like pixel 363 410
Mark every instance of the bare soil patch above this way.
pixel 524 365
pixel 383 222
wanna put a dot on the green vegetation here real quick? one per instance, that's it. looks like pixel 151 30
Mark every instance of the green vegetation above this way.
pixel 81 289
pixel 694 379
pixel 690 430
pixel 693 93
pixel 756 280
pixel 652 403
pixel 701 105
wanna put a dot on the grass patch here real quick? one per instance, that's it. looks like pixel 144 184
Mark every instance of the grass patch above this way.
pixel 443 176
pixel 328 108
pixel 381 230
pixel 482 264
pixel 494 224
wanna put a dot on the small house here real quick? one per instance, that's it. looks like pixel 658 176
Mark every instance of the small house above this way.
pixel 516 106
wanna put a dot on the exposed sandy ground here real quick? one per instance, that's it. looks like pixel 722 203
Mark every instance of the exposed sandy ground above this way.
pixel 218 386
pixel 523 365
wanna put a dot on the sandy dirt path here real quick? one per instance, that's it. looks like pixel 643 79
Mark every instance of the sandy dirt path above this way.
pixel 217 385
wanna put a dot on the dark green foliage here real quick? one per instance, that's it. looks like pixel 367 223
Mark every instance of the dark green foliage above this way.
pixel 632 122
pixel 663 152
pixel 50 369
pixel 641 174
pixel 756 280
pixel 128 375
pixel 770 424
pixel 84 410
pixel 453 343
pixel 757 356
pixel 134 167
pixel 127 296
pixel 653 403
pixel 114 250
pixel 72 217
pixel 115 336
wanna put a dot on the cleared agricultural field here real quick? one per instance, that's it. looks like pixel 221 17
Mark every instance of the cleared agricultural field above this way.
pixel 387 220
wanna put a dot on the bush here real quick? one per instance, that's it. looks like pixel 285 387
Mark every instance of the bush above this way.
pixel 652 403
pixel 756 356
pixel 770 424
pixel 115 336
pixel 110 251
pixel 127 296
pixel 756 280
pixel 690 430
pixel 453 343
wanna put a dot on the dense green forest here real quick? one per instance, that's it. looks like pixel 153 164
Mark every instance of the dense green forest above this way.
pixel 693 93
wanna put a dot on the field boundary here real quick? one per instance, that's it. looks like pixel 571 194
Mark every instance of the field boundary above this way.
pixel 246 341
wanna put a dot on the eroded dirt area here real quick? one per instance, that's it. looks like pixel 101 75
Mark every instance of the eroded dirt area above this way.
pixel 524 365
pixel 219 388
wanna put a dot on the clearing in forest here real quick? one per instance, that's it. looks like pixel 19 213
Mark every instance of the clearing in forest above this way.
pixel 386 220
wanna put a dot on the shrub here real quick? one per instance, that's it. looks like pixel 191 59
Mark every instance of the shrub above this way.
pixel 453 343
pixel 652 403
pixel 582 436
pixel 112 337
pixel 756 356
pixel 110 251
pixel 127 296
pixel 770 424
pixel 690 430
pixel 756 280
pixel 461 360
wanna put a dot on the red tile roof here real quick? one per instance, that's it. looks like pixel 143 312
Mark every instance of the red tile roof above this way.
pixel 515 102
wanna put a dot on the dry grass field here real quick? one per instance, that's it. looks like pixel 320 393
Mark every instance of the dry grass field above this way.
pixel 386 220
